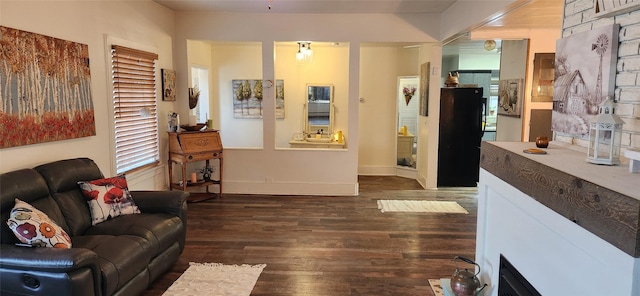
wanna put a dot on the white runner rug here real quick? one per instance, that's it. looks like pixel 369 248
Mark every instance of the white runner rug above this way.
pixel 216 279
pixel 420 206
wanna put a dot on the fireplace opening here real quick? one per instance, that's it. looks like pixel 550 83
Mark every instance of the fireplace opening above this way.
pixel 512 283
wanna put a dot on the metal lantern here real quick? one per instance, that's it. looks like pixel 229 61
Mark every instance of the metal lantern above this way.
pixel 605 134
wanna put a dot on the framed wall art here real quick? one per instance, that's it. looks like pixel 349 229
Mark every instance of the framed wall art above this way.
pixel 424 88
pixel 585 72
pixel 248 95
pixel 46 89
pixel 168 85
pixel 510 95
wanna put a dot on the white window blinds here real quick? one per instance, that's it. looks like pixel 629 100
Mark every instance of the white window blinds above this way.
pixel 135 110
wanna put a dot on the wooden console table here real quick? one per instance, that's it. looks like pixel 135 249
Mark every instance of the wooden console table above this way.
pixel 186 147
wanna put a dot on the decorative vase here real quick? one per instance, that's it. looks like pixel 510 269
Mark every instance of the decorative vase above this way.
pixel 451 80
pixel 194 94
pixel 407 98
pixel 542 142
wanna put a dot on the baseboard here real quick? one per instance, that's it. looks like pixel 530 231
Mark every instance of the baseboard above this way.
pixel 377 170
pixel 410 173
pixel 287 188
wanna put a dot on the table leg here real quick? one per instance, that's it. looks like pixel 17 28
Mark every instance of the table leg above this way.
pixel 170 165
pixel 184 177
pixel 220 184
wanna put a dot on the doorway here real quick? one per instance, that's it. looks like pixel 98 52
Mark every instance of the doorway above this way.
pixel 200 81
pixel 408 104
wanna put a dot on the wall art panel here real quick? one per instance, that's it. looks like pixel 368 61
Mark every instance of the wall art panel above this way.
pixel 45 89
pixel 248 94
pixel 585 69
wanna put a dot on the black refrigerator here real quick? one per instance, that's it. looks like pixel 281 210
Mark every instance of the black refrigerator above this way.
pixel 461 115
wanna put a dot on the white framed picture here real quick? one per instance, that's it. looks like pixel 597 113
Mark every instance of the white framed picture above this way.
pixel 510 95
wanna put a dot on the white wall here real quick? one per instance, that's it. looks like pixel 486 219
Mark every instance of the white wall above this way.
pixel 513 65
pixel 263 170
pixel 488 61
pixel 235 61
pixel 327 67
pixel 200 56
pixel 540 41
pixel 283 170
pixel 429 125
pixel 378 77
pixel 89 22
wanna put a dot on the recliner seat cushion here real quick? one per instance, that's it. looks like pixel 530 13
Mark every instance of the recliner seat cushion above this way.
pixel 161 230
pixel 121 257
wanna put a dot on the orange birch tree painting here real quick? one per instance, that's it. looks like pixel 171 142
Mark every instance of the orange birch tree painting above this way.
pixel 45 89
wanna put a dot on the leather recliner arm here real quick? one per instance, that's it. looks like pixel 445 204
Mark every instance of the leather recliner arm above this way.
pixel 34 269
pixel 170 202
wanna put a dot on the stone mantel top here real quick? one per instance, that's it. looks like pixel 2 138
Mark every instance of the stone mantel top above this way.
pixel 604 200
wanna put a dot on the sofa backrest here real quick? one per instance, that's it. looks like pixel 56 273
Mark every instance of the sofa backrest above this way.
pixel 29 186
pixel 62 178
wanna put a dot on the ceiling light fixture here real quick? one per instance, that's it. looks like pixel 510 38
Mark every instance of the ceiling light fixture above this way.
pixel 304 54
pixel 490 45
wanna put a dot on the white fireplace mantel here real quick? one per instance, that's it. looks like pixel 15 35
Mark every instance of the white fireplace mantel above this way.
pixel 553 234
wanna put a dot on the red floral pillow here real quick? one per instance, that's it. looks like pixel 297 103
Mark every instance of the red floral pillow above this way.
pixel 108 198
pixel 33 227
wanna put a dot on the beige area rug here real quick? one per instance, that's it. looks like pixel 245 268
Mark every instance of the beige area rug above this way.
pixel 216 279
pixel 420 206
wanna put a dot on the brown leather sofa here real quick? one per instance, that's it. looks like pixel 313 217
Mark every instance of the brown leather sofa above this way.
pixel 121 256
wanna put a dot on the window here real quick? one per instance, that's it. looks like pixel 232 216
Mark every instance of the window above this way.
pixel 135 111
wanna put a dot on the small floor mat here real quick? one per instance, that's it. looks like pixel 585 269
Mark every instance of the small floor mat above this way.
pixel 420 206
pixel 216 279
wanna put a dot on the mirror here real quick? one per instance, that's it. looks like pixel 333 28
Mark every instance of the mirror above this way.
pixel 319 111
pixel 408 110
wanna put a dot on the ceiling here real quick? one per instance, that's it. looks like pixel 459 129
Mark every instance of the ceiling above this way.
pixel 538 14
pixel 522 14
pixel 311 6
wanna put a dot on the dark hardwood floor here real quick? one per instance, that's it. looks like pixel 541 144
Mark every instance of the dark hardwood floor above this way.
pixel 332 245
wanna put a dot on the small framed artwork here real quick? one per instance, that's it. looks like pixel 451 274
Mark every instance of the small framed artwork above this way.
pixel 424 88
pixel 168 85
pixel 510 94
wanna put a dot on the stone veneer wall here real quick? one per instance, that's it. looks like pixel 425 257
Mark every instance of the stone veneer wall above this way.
pixel 579 17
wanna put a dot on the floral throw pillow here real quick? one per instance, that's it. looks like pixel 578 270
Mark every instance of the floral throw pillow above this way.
pixel 33 227
pixel 108 198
